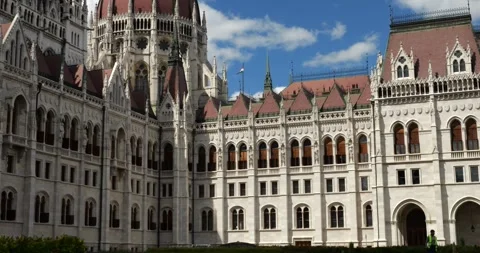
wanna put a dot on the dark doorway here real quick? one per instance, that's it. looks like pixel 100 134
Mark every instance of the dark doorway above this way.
pixel 303 243
pixel 416 228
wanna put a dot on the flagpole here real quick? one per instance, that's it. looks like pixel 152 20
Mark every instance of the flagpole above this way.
pixel 243 80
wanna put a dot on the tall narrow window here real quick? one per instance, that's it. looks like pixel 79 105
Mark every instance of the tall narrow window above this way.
pixel 74 135
pixel 307 152
pixel 212 159
pixel 294 153
pixel 328 151
pixel 139 152
pixel 462 66
pixel 269 218
pixel 135 223
pixel 399 139
pixel 456 135
pixel 141 77
pixel 242 161
pixel 455 66
pixel 414 139
pixel 238 219
pixel 336 217
pixel 40 126
pixel 368 216
pixel 274 155
pixel 231 157
pixel 303 217
pixel 405 71
pixel 151 224
pixel 262 155
pixel 363 149
pixel 168 157
pixel 7 206
pixel 472 137
pixel 202 155
pixel 50 129
pixel 341 152
pixel 399 72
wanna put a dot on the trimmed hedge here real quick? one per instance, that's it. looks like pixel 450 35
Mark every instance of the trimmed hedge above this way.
pixel 62 244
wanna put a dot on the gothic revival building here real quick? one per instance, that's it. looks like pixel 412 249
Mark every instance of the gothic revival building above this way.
pixel 135 146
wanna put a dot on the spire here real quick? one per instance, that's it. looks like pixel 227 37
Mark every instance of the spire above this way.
pixel 267 85
pixel 110 8
pixel 154 6
pixel 177 9
pixel 204 20
pixel 194 13
pixel 174 56
pixel 215 65
pixel 224 72
pixel 33 50
pixel 95 13
pixel 130 6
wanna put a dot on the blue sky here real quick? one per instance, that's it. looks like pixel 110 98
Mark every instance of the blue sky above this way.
pixel 316 35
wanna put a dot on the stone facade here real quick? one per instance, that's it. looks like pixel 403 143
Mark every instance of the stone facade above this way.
pixel 371 160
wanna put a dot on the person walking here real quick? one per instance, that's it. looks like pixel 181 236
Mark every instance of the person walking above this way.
pixel 432 242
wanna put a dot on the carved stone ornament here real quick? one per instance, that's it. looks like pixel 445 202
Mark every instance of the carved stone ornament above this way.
pixel 282 156
pixel 85 137
pixel 61 130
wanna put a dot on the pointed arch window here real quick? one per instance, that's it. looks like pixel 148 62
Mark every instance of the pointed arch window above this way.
pixel 151 222
pixel 405 71
pixel 307 152
pixel 114 221
pixel 336 217
pixel 212 159
pixel 462 66
pixel 269 218
pixel 202 159
pixel 262 155
pixel 40 126
pixel 328 153
pixel 294 153
pixel 399 72
pixel 242 158
pixel 274 155
pixel 399 139
pixel 472 134
pixel 95 141
pixel 341 152
pixel 7 205
pixel 238 219
pixel 231 157
pixel 90 219
pixel 363 149
pixel 207 220
pixel 74 135
pixel 456 69
pixel 155 155
pixel 139 152
pixel 67 217
pixel 167 220
pixel 135 222
pixel 149 155
pixel 168 159
pixel 413 139
pixel 368 216
pixel 141 77
pixel 133 150
pixel 456 135
pixel 41 209
pixel 303 217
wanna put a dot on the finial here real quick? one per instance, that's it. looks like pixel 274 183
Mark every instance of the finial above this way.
pixel 430 71
pixel 90 20
pixel 154 6
pixel 268 63
pixel 224 71
pixel 194 13
pixel 204 20
pixel 33 50
pixel 177 9
pixel 468 5
pixel 215 63
pixel 130 6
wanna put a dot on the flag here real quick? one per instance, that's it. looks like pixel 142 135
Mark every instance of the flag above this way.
pixel 241 70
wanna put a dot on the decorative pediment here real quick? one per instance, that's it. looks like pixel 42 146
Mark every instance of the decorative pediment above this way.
pixel 402 66
pixel 15 46
pixel 115 86
pixel 459 59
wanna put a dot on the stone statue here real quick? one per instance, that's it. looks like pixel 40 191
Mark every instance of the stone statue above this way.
pixel 61 130
pixel 85 137
pixel 282 155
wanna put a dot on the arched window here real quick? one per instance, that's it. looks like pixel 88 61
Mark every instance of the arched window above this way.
pixel 462 66
pixel 413 139
pixel 399 72
pixel 41 209
pixel 207 220
pixel 202 159
pixel 112 147
pixel 114 220
pixel 238 219
pixel 336 217
pixel 67 217
pixel 455 66
pixel 341 152
pixel 363 149
pixel 50 129
pixel 303 217
pixel 134 218
pixel 139 152
pixel 7 205
pixel 274 155
pixel 456 135
pixel 368 216
pixel 40 125
pixel 472 134
pixel 95 140
pixel 155 155
pixel 294 153
pixel 19 116
pixel 133 146
pixel 141 77
pixel 212 159
pixel 307 152
pixel 405 71
pixel 90 219
pixel 151 224
pixel 269 218
pixel 399 139
pixel 167 220
pixel 242 159
pixel 231 157
pixel 88 148
pixel 168 157
pixel 328 153
pixel 74 135
pixel 262 155
pixel 149 155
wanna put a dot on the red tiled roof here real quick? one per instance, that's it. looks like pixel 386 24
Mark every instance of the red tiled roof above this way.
pixel 210 111
pixel 365 96
pixel 175 82
pixel 334 99
pixel 240 107
pixel 270 103
pixel 166 7
pixel 324 85
pixel 429 43
pixel 302 101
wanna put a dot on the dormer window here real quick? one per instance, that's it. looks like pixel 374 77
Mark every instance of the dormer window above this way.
pixel 402 69
pixel 459 59
pixel 458 63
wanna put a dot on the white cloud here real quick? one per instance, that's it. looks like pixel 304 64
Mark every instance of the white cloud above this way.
pixel 232 38
pixel 336 32
pixel 355 53
pixel 256 96
pixel 434 5
pixel 279 89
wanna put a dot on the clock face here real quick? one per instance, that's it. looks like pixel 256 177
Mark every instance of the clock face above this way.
pixel 164 44
pixel 142 43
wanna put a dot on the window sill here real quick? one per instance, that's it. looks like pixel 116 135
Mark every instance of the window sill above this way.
pixel 303 229
pixel 206 231
pixel 11 221
pixel 238 231
pixel 368 228
pixel 270 230
pixel 337 229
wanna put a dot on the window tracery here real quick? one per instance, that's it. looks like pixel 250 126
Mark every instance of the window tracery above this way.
pixel 402 65
pixel 459 60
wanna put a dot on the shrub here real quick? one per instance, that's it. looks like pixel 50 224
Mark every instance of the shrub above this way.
pixel 62 244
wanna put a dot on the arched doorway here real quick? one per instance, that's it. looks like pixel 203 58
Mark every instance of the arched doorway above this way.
pixel 412 225
pixel 467 223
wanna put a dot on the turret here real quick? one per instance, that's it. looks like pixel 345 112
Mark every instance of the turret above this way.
pixel 194 14
pixel 204 21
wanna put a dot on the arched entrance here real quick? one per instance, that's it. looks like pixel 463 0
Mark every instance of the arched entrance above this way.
pixel 412 225
pixel 467 223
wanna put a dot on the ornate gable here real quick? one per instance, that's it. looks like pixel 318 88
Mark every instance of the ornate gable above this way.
pixel 459 59
pixel 115 86
pixel 402 66
pixel 15 46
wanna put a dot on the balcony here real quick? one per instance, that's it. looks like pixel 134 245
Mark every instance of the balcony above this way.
pixel 463 154
pixel 334 167
pixel 262 164
pixel 307 161
pixel 15 140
